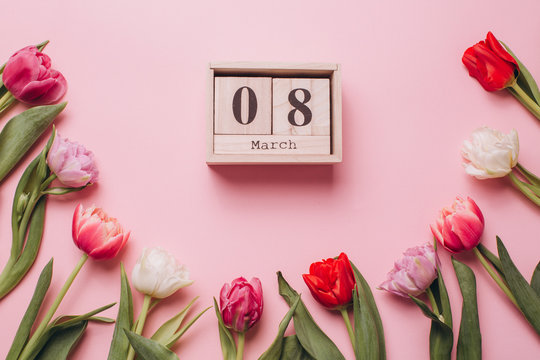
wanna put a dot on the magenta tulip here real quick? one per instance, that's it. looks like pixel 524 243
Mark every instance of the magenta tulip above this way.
pixel 97 234
pixel 413 273
pixel 29 77
pixel 241 303
pixel 459 228
pixel 73 165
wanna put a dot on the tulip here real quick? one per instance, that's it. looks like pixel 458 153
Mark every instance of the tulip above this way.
pixel 490 153
pixel 158 274
pixel 72 164
pixel 97 234
pixel 414 273
pixel 331 282
pixel 490 64
pixel 241 303
pixel 29 77
pixel 459 228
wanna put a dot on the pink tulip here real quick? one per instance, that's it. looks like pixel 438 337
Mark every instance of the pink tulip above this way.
pixel 29 77
pixel 97 234
pixel 459 228
pixel 71 163
pixel 414 273
pixel 241 303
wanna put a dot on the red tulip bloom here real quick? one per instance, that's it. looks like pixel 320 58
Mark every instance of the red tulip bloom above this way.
pixel 331 282
pixel 490 64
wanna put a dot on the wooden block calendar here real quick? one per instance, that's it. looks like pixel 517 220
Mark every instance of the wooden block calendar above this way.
pixel 274 113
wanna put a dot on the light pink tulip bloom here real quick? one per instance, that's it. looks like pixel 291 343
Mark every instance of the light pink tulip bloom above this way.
pixel 413 273
pixel 97 234
pixel 29 77
pixel 241 303
pixel 459 228
pixel 71 163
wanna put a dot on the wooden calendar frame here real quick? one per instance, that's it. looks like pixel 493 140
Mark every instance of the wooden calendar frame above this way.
pixel 306 70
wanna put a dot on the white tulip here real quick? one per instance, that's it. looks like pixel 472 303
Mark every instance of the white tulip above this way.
pixel 490 153
pixel 158 274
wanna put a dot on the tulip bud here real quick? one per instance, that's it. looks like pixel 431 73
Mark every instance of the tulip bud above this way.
pixel 459 228
pixel 158 274
pixel 413 273
pixel 22 202
pixel 241 303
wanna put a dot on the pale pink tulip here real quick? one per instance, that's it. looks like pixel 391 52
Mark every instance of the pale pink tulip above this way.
pixel 413 273
pixel 29 77
pixel 71 163
pixel 241 303
pixel 460 227
pixel 97 234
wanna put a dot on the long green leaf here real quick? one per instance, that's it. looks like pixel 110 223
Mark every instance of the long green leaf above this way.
pixel 62 342
pixel 370 333
pixel 274 351
pixel 492 258
pixel 525 80
pixel 23 333
pixel 185 328
pixel 22 131
pixel 310 335
pixel 124 320
pixel 228 346
pixel 469 345
pixel 526 297
pixel 293 350
pixel 441 337
pixel 148 349
pixel 535 280
pixel 169 328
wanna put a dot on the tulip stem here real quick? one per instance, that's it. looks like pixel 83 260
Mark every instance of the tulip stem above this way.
pixel 432 301
pixel 29 348
pixel 524 188
pixel 6 101
pixel 140 323
pixel 533 179
pixel 240 345
pixel 526 100
pixel 495 277
pixel 347 320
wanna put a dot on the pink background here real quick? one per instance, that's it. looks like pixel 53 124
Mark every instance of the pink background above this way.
pixel 137 98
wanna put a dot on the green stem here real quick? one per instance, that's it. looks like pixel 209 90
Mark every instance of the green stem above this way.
pixel 529 103
pixel 240 346
pixel 533 179
pixel 345 315
pixel 140 323
pixel 524 189
pixel 5 101
pixel 28 349
pixel 432 301
pixel 495 277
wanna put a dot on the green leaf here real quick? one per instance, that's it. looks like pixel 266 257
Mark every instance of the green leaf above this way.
pixel 370 342
pixel 124 320
pixel 312 338
pixel 169 328
pixel 492 258
pixel 148 349
pixel 185 328
pixel 526 297
pixel 469 345
pixel 62 342
pixel 441 337
pixel 274 351
pixel 228 346
pixel 23 333
pixel 293 350
pixel 525 80
pixel 22 131
pixel 535 280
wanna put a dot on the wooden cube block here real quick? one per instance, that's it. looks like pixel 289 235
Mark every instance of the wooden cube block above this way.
pixel 243 105
pixel 301 106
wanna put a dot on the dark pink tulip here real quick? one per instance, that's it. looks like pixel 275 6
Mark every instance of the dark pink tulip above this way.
pixel 29 77
pixel 97 234
pixel 460 227
pixel 241 303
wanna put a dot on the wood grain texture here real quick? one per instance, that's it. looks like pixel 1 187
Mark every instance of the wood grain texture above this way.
pixel 226 88
pixel 317 104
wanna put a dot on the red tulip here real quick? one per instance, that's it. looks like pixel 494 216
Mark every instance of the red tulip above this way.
pixel 331 282
pixel 241 303
pixel 97 234
pixel 491 64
